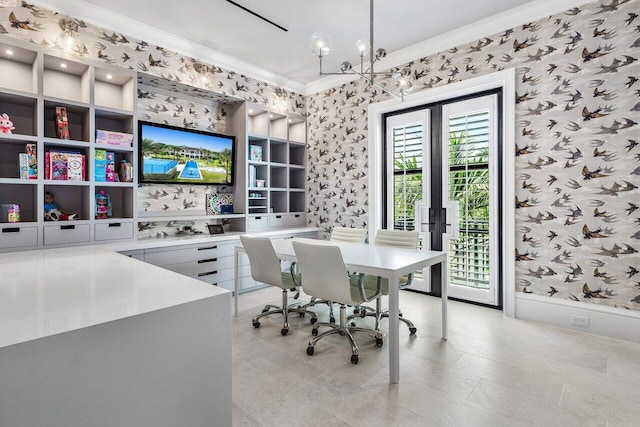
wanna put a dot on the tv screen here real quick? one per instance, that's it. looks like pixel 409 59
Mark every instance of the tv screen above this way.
pixel 170 154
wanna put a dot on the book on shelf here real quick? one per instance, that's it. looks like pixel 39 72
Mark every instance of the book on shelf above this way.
pixel 255 153
pixel 32 160
pixel 63 165
pixel 23 162
pixel 114 139
pixel 62 123
pixel 252 176
pixel 100 166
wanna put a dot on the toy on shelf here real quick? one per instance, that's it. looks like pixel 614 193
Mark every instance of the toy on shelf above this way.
pixel 6 125
pixel 52 210
pixel 103 205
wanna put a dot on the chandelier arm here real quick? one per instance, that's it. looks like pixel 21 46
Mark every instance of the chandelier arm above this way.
pixel 382 88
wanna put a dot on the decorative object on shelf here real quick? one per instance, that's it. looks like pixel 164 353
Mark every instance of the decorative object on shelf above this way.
pixel 320 45
pixel 215 229
pixel 103 205
pixel 100 165
pixel 62 165
pixel 62 123
pixel 110 167
pixel 6 125
pixel 215 201
pixel 53 211
pixel 23 164
pixel 125 171
pixel 114 139
pixel 259 182
pixel 32 161
pixel 255 153
pixel 10 212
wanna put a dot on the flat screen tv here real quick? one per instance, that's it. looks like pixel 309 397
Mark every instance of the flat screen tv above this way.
pixel 172 155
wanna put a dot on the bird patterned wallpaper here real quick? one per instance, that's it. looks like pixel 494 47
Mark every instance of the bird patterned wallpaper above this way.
pixel 578 160
pixel 577 147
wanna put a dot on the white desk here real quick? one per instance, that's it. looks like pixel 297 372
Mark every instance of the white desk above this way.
pixel 383 261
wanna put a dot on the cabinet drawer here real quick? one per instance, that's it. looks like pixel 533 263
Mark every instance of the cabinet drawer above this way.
pixel 66 233
pixel 113 231
pixel 297 220
pixel 13 237
pixel 217 276
pixel 257 222
pixel 176 256
pixel 277 220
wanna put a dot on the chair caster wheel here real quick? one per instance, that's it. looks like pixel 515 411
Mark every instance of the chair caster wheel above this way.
pixel 256 324
pixel 354 358
pixel 363 313
pixel 412 331
pixel 284 331
pixel 379 342
pixel 332 320
pixel 314 332
pixel 300 314
pixel 310 351
pixel 314 320
pixel 356 310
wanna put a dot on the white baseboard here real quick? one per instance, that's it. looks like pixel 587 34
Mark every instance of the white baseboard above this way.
pixel 608 321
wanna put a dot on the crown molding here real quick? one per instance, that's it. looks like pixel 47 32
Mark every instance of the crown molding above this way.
pixel 508 19
pixel 111 21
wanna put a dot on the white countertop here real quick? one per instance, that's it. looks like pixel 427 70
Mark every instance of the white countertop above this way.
pixel 47 292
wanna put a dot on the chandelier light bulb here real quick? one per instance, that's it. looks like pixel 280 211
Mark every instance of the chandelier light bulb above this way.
pixel 346 66
pixel 320 44
pixel 362 47
pixel 380 53
pixel 403 80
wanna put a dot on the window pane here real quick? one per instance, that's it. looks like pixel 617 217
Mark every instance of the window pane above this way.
pixel 407 167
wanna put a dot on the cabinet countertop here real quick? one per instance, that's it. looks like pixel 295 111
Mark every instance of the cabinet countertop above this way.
pixel 52 291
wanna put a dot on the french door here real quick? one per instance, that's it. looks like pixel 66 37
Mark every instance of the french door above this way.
pixel 443 174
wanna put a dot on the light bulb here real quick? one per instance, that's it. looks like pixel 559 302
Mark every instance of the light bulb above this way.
pixel 8 52
pixel 362 47
pixel 380 53
pixel 403 80
pixel 346 66
pixel 320 44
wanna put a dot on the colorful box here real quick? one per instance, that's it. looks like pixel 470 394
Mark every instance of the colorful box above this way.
pixel 110 167
pixel 23 162
pixel 255 153
pixel 58 166
pixel 75 167
pixel 32 161
pixel 62 123
pixel 100 166
pixel 120 139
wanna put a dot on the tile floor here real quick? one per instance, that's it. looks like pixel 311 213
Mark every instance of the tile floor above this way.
pixel 493 371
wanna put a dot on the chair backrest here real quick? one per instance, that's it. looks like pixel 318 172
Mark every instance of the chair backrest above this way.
pixel 344 234
pixel 324 274
pixel 397 238
pixel 265 264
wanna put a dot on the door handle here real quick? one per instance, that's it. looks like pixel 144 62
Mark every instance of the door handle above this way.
pixel 452 219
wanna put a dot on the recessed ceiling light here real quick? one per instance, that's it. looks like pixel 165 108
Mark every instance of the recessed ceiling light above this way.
pixel 63 65
pixel 289 120
pixel 250 111
pixel 8 52
pixel 109 76
pixel 271 116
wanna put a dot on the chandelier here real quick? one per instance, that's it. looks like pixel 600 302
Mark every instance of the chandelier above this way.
pixel 320 45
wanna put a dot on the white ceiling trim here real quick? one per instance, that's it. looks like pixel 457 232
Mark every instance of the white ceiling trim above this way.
pixel 474 31
pixel 121 24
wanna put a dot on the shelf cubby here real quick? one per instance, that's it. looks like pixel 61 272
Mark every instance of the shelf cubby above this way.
pixel 278 126
pixel 278 201
pixel 278 152
pixel 257 121
pixel 113 121
pixel 297 154
pixel 263 143
pixel 297 178
pixel 17 69
pixel 297 201
pixel 22 111
pixel 78 117
pixel 121 200
pixel 23 194
pixel 297 129
pixel 72 198
pixel 9 161
pixel 66 79
pixel 279 177
pixel 113 90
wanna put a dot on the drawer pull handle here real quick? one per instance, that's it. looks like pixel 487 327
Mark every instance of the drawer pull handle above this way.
pixel 278 216
pixel 215 284
pixel 203 261
pixel 258 218
pixel 11 230
pixel 67 227
pixel 209 273
pixel 208 248
pixel 115 224
pixel 297 216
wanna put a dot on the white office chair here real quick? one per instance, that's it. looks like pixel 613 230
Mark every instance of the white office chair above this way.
pixel 340 234
pixel 395 238
pixel 325 276
pixel 265 268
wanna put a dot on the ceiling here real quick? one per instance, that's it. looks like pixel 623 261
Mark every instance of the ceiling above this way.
pixel 223 27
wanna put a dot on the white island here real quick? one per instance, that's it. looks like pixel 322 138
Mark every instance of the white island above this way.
pixel 89 337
